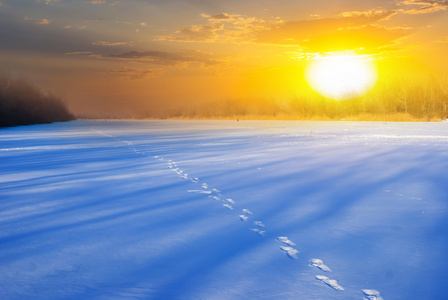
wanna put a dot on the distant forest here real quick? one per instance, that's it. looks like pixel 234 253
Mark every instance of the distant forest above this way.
pixel 24 104
pixel 421 99
pixel 424 99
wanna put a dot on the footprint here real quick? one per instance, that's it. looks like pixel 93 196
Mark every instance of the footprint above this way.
pixel 205 186
pixel 372 295
pixel 259 224
pixel 333 283
pixel 228 206
pixel 230 201
pixel 243 217
pixel 246 211
pixel 285 240
pixel 199 191
pixel 258 231
pixel 290 251
pixel 315 262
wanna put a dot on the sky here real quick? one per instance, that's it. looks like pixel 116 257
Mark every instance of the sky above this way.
pixel 140 55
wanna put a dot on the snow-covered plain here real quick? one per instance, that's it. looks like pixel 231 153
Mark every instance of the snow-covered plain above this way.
pixel 224 210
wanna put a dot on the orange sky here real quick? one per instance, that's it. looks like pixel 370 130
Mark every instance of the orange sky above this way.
pixel 137 55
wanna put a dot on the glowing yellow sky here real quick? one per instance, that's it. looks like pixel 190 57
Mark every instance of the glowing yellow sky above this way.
pixel 142 55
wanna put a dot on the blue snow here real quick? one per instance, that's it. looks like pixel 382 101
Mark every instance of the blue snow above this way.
pixel 217 209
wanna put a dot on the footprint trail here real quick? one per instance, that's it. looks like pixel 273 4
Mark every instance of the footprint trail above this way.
pixel 288 246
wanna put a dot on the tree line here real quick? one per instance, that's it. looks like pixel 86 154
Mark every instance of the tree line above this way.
pixel 421 99
pixel 24 104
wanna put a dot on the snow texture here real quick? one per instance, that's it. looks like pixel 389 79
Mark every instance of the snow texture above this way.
pixel 208 210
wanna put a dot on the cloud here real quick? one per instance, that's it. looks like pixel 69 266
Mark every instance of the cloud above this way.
pixel 98 1
pixel 169 58
pixel 426 6
pixel 38 21
pixel 195 33
pixel 220 27
pixel 42 21
pixel 78 53
pixel 353 30
pixel 49 1
pixel 133 73
pixel 373 15
pixel 366 38
pixel 103 43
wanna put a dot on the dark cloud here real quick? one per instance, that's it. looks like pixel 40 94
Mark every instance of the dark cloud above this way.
pixel 169 58
pixel 18 34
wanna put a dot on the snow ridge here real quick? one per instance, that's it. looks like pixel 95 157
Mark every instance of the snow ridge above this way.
pixel 227 203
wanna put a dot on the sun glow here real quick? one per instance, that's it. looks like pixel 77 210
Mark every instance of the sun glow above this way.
pixel 341 77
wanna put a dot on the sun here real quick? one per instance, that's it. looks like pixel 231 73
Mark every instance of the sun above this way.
pixel 341 76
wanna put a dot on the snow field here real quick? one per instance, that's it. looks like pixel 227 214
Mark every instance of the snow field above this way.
pixel 94 209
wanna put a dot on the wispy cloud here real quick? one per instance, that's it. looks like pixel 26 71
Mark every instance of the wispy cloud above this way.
pixel 103 43
pixel 78 53
pixel 426 6
pixel 373 15
pixel 220 27
pixel 38 21
pixel 98 1
pixel 134 73
pixel 195 33
pixel 351 30
pixel 170 58
pixel 50 1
